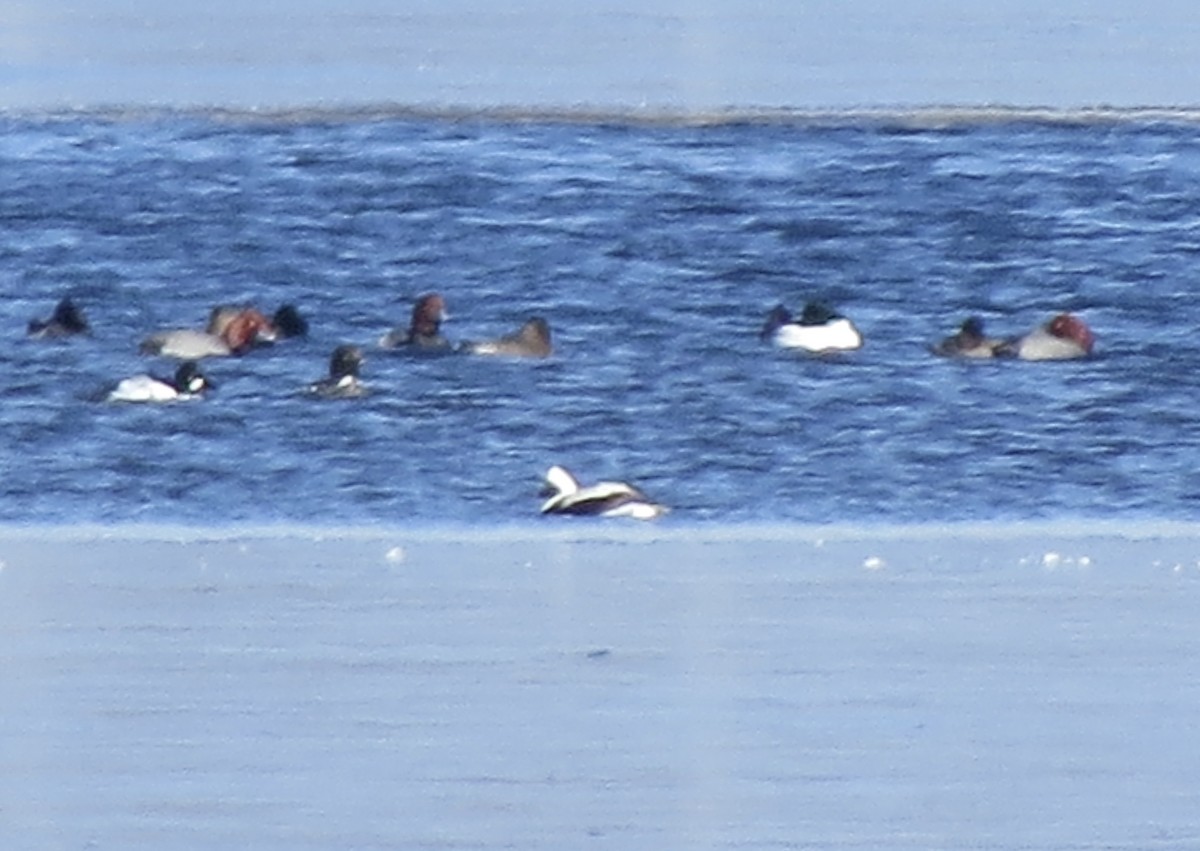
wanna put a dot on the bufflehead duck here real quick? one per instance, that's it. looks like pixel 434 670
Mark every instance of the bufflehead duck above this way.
pixel 188 383
pixel 342 381
pixel 231 330
pixel 603 499
pixel 66 321
pixel 969 342
pixel 531 340
pixel 1064 337
pixel 424 328
pixel 819 329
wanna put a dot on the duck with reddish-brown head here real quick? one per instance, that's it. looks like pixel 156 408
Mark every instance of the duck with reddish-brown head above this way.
pixel 231 331
pixel 424 331
pixel 1065 337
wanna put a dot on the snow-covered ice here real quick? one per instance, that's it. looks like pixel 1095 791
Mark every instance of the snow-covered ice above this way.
pixel 596 686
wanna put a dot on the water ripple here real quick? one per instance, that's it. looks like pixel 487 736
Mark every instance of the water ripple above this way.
pixel 654 249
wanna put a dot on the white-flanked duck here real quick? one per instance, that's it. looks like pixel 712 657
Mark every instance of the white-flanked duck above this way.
pixel 531 340
pixel 819 329
pixel 231 330
pixel 424 327
pixel 67 320
pixel 342 381
pixel 969 341
pixel 603 499
pixel 1065 337
pixel 189 383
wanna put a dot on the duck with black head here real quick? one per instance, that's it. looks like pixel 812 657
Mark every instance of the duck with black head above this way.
pixel 188 383
pixel 969 341
pixel 820 329
pixel 66 321
pixel 343 381
pixel 288 322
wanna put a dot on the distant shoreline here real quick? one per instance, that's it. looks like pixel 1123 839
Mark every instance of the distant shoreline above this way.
pixel 916 118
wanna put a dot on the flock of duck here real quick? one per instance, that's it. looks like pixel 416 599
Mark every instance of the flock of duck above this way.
pixel 821 330
pixel 234 330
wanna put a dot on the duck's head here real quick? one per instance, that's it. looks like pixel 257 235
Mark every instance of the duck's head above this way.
pixel 1067 326
pixel 818 313
pixel 189 379
pixel 247 329
pixel 67 319
pixel 971 332
pixel 533 338
pixel 289 323
pixel 345 361
pixel 428 314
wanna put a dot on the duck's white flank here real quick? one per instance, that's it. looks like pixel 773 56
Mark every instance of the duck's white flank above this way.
pixel 836 335
pixel 147 388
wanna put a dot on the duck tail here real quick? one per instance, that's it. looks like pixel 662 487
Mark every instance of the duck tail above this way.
pixel 778 317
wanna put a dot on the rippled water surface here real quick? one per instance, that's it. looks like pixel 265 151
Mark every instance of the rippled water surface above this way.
pixel 654 250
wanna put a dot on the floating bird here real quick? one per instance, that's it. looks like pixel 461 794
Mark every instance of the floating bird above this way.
pixel 66 321
pixel 603 499
pixel 969 342
pixel 424 328
pixel 531 340
pixel 1065 337
pixel 231 330
pixel 342 381
pixel 819 329
pixel 188 383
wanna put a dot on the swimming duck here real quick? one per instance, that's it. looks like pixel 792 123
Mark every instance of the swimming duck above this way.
pixel 424 328
pixel 1064 337
pixel 342 381
pixel 969 342
pixel 531 340
pixel 819 329
pixel 603 499
pixel 66 320
pixel 231 330
pixel 188 383
pixel 242 327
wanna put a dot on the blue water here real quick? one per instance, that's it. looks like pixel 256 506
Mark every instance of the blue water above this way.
pixel 654 249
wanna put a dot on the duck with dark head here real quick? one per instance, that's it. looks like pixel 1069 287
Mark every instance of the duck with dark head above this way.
pixel 424 328
pixel 66 321
pixel 969 341
pixel 820 329
pixel 342 381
